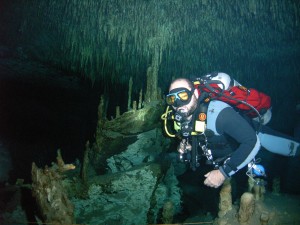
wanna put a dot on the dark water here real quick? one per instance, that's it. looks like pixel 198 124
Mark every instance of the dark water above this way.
pixel 36 120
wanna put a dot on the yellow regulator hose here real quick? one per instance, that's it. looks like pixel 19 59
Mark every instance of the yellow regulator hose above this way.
pixel 164 117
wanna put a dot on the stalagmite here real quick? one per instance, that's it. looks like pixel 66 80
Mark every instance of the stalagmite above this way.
pixel 134 107
pixel 168 212
pixel 129 93
pixel 100 123
pixel 118 112
pixel 247 206
pixel 259 189
pixel 85 163
pixel 152 77
pixel 50 195
pixel 225 203
pixel 101 110
pixel 264 218
pixel 62 167
pixel 140 99
pixel 276 186
pixel 251 183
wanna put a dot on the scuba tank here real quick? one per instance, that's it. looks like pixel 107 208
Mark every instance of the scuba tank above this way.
pixel 248 101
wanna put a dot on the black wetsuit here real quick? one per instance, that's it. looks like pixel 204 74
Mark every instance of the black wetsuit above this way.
pixel 233 137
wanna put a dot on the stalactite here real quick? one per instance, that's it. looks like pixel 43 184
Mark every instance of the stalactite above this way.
pixel 252 6
pixel 296 12
pixel 91 37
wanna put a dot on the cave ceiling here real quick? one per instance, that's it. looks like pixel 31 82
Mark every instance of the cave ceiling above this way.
pixel 111 41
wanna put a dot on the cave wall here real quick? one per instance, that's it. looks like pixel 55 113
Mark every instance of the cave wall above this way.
pixel 110 41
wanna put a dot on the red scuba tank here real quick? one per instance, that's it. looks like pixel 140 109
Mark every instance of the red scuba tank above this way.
pixel 220 86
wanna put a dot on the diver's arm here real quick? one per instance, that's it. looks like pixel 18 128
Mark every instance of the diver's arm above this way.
pixel 234 125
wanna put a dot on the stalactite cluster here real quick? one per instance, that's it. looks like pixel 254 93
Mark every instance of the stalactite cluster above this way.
pixel 106 38
pixel 110 41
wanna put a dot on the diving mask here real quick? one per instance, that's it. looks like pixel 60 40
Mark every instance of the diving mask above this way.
pixel 179 97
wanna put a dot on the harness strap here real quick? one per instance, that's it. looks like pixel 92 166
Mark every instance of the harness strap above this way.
pixel 195 162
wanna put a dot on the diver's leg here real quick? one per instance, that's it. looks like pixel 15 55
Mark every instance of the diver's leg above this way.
pixel 278 143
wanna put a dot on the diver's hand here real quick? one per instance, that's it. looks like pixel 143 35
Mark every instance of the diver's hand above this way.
pixel 214 179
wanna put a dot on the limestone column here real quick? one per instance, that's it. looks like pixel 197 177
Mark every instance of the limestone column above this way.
pixel 152 76
pixel 225 203
pixel 246 209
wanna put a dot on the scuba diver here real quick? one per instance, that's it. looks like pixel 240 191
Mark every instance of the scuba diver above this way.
pixel 207 118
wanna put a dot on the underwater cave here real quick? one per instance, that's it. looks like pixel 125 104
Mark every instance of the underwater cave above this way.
pixel 82 91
